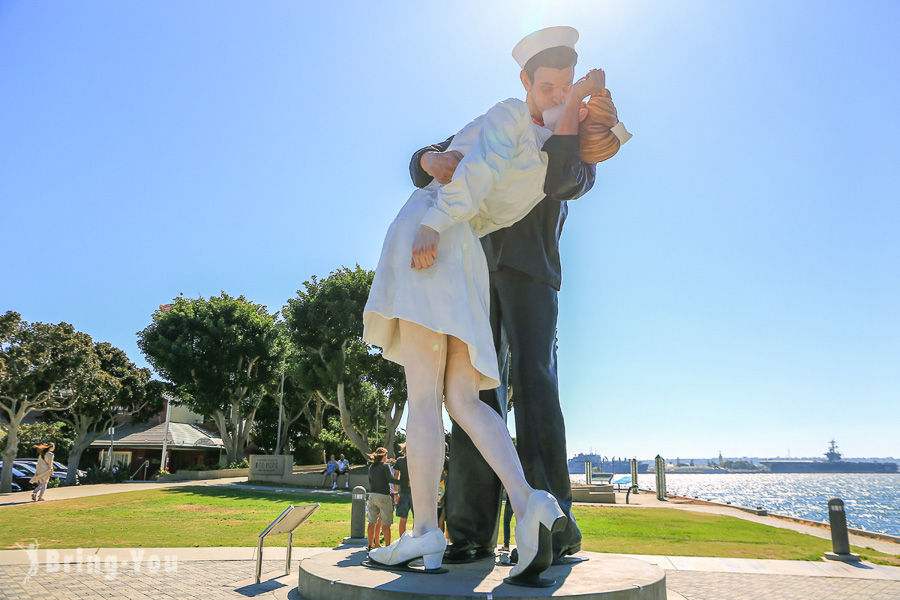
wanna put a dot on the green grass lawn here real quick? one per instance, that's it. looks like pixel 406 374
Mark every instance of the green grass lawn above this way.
pixel 678 532
pixel 170 518
pixel 219 516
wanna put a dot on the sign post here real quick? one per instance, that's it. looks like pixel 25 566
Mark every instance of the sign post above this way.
pixel 287 522
pixel 112 434
pixel 163 463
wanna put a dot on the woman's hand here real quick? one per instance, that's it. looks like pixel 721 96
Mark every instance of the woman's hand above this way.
pixel 441 165
pixel 424 250
pixel 592 83
pixel 574 110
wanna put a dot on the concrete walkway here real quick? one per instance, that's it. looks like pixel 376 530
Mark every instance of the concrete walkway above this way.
pixel 226 573
pixel 83 491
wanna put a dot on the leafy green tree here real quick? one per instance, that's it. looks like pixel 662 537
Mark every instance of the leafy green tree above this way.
pixel 325 321
pixel 36 433
pixel 305 384
pixel 222 355
pixel 389 381
pixel 265 426
pixel 38 362
pixel 115 388
pixel 300 403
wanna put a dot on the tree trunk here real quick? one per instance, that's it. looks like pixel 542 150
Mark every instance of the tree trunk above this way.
pixel 227 439
pixel 12 442
pixel 74 460
pixel 389 436
pixel 392 421
pixel 16 411
pixel 9 455
pixel 320 417
pixel 286 428
pixel 84 437
pixel 314 420
pixel 244 427
pixel 355 438
pixel 235 439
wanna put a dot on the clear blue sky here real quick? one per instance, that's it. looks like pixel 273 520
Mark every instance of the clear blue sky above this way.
pixel 732 282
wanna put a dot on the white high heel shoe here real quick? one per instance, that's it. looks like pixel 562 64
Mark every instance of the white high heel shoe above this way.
pixel 542 518
pixel 428 546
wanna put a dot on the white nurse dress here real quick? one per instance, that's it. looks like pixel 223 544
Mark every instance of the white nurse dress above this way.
pixel 498 181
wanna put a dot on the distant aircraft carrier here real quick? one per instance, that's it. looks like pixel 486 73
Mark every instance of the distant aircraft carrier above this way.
pixel 834 464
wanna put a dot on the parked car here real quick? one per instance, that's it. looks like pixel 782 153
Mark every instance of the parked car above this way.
pixel 31 468
pixel 21 479
pixel 59 470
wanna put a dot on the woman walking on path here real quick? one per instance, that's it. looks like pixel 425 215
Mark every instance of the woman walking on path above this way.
pixel 43 471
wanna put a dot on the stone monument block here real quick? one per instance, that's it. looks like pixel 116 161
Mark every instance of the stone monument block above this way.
pixel 280 465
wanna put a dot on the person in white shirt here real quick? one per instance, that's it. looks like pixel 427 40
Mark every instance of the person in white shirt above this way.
pixel 343 468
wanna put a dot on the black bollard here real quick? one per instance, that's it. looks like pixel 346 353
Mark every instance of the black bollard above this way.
pixel 357 518
pixel 840 539
pixel 358 513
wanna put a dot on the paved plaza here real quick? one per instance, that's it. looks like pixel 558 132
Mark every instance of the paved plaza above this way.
pixel 225 573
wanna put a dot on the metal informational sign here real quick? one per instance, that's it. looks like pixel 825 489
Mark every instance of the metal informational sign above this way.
pixel 287 522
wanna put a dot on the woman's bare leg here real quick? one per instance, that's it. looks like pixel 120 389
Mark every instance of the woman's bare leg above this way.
pixel 370 533
pixel 424 359
pixel 484 426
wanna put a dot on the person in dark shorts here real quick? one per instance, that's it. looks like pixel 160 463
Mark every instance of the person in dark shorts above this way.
pixel 404 496
pixel 343 468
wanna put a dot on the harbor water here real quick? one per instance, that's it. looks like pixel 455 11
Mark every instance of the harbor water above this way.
pixel 872 500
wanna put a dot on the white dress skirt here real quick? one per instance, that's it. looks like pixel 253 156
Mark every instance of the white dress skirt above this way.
pixel 498 182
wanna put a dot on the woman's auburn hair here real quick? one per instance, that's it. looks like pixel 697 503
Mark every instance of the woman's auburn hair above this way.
pixel 378 456
pixel 596 142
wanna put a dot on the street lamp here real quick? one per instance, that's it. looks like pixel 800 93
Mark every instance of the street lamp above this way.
pixel 112 434
pixel 165 447
pixel 280 411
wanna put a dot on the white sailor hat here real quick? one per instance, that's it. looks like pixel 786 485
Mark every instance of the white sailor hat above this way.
pixel 541 40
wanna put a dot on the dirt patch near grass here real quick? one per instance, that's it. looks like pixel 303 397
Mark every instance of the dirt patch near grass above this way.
pixel 201 508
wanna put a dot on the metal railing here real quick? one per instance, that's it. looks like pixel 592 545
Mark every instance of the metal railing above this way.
pixel 144 467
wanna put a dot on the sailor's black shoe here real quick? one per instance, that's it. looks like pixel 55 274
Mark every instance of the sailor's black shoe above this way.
pixel 480 552
pixel 460 552
pixel 466 552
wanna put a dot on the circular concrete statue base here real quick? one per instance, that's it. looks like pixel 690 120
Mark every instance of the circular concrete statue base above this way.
pixel 339 575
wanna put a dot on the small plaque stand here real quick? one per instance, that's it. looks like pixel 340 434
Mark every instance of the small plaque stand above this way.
pixel 287 522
